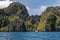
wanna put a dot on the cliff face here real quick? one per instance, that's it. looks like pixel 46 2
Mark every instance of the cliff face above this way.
pixel 13 17
pixel 17 9
pixel 32 23
pixel 16 18
pixel 50 19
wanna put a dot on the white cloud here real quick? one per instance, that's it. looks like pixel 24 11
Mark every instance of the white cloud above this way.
pixel 43 8
pixel 37 11
pixel 6 0
pixel 5 3
pixel 28 8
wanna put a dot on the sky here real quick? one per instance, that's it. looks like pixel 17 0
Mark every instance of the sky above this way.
pixel 34 7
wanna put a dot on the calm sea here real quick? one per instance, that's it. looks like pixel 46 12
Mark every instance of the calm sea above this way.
pixel 29 35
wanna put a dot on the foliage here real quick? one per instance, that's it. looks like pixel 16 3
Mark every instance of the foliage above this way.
pixel 16 18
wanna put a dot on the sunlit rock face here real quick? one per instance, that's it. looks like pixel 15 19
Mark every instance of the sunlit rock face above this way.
pixel 50 19
pixel 13 17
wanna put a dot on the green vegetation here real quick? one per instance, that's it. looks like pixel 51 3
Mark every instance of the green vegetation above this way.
pixel 49 20
pixel 15 18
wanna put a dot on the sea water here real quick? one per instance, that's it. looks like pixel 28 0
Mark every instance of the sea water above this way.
pixel 29 35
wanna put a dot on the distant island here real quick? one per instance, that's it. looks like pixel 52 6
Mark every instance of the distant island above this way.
pixel 15 18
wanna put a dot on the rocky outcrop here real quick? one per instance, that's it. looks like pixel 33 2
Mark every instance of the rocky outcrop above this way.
pixel 13 17
pixel 50 19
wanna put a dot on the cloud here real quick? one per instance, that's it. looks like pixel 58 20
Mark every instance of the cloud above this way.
pixel 36 11
pixel 28 8
pixel 4 0
pixel 43 8
pixel 5 3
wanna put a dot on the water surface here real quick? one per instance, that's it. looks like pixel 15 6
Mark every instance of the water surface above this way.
pixel 29 35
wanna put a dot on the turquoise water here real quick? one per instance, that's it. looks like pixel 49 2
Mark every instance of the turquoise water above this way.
pixel 29 35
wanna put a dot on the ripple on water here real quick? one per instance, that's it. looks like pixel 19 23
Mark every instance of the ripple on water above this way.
pixel 29 35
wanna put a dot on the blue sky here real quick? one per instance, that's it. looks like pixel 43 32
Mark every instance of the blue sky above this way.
pixel 38 6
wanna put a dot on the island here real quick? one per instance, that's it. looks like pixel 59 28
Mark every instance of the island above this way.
pixel 15 18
